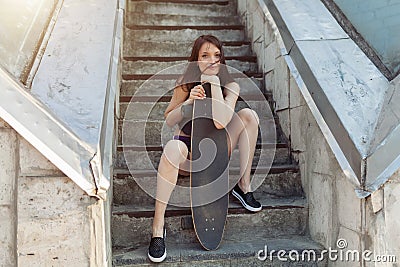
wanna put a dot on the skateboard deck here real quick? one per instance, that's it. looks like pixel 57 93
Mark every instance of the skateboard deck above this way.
pixel 209 180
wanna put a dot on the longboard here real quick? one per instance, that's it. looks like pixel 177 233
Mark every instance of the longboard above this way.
pixel 209 180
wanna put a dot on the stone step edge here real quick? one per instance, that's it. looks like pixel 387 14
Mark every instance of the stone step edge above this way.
pixel 122 120
pixel 130 77
pixel 154 19
pixel 224 43
pixel 147 210
pixel 160 148
pixel 184 27
pixel 259 79
pixel 167 98
pixel 250 58
pixel 120 173
pixel 227 253
pixel 133 13
pixel 192 2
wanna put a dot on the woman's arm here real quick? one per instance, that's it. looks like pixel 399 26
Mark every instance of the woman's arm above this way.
pixel 222 107
pixel 173 113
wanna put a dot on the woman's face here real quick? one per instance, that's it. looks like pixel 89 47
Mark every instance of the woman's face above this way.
pixel 209 59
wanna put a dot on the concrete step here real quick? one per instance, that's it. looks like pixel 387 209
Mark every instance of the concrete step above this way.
pixel 139 186
pixel 175 48
pixel 164 77
pixel 184 27
pixel 156 132
pixel 147 35
pixel 155 110
pixel 190 8
pixel 134 19
pixel 232 252
pixel 158 87
pixel 147 132
pixel 167 98
pixel 194 2
pixel 142 159
pixel 144 122
pixel 280 216
pixel 175 67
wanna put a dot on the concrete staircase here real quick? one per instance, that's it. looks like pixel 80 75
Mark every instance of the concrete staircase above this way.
pixel 158 34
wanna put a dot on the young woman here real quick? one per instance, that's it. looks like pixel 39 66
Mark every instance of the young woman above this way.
pixel 206 64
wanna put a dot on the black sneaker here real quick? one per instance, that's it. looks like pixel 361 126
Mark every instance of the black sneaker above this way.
pixel 248 201
pixel 157 252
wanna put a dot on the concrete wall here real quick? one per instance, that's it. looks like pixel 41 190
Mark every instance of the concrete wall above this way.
pixel 46 219
pixel 378 22
pixel 382 220
pixel 334 210
pixel 8 195
pixel 22 26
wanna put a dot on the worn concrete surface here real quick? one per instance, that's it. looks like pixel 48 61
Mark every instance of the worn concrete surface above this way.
pixel 131 189
pixel 52 221
pixel 153 67
pixel 149 159
pixel 178 8
pixel 22 26
pixel 33 163
pixel 8 196
pixel 58 223
pixel 229 254
pixel 133 48
pixel 160 87
pixel 391 217
pixel 134 19
pixel 186 34
pixel 287 220
pixel 72 79
pixel 377 23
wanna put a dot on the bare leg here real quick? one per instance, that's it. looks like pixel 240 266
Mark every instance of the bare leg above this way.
pixel 243 129
pixel 175 153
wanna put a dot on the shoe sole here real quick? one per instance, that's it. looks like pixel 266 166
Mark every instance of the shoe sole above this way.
pixel 157 260
pixel 250 208
pixel 162 258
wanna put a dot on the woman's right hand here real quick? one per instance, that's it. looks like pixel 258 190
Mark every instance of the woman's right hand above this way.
pixel 197 92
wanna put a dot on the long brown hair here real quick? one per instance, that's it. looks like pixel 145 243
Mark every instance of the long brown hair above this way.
pixel 192 73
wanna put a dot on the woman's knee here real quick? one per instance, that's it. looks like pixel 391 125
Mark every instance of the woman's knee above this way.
pixel 249 116
pixel 175 151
